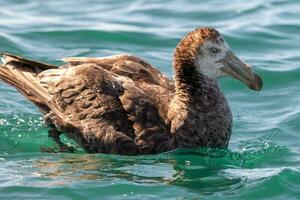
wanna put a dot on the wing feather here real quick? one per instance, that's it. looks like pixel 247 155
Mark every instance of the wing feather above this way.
pixel 88 97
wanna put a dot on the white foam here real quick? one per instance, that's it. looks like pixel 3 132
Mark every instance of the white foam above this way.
pixel 254 174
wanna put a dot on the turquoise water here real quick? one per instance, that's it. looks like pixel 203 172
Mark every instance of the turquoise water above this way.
pixel 263 160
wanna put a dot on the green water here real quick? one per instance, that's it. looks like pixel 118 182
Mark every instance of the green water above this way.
pixel 263 160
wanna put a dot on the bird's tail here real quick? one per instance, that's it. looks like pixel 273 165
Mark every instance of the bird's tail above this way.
pixel 22 74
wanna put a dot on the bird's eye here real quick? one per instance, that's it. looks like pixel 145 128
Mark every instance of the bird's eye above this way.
pixel 213 51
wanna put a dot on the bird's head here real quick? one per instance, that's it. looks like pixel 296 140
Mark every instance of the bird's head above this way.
pixel 206 51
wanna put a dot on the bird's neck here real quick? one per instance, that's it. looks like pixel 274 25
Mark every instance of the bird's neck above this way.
pixel 190 84
pixel 187 81
pixel 195 96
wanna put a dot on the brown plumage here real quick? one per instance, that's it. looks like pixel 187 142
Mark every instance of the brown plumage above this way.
pixel 123 105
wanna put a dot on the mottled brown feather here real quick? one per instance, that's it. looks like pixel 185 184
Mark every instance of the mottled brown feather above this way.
pixel 123 105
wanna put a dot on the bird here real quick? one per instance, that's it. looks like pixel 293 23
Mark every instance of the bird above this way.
pixel 123 105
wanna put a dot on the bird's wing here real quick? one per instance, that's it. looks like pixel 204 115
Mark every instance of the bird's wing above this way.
pixel 106 112
pixel 152 133
pixel 88 98
pixel 155 84
pixel 129 66
pixel 101 110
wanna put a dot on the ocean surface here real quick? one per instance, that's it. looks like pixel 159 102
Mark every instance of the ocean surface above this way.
pixel 263 159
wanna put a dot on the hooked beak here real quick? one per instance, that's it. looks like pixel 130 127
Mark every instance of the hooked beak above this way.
pixel 241 71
